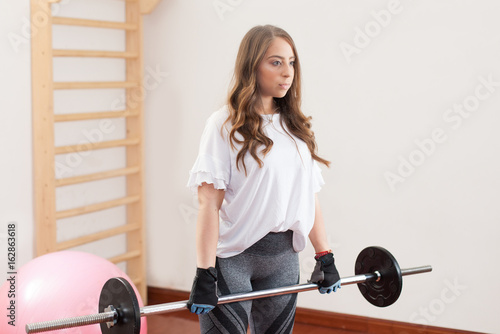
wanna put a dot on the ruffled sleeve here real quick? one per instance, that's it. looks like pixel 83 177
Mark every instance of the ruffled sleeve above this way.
pixel 213 164
pixel 317 178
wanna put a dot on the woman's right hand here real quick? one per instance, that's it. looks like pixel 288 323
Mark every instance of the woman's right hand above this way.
pixel 203 296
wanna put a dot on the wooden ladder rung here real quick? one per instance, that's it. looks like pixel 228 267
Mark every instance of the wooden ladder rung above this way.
pixel 94 84
pixel 125 257
pixel 96 176
pixel 93 53
pixel 94 115
pixel 97 207
pixel 97 236
pixel 96 145
pixel 93 23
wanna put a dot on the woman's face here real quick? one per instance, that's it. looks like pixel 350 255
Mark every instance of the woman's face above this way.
pixel 275 71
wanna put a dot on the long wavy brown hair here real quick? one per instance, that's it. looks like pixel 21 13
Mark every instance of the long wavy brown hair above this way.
pixel 244 99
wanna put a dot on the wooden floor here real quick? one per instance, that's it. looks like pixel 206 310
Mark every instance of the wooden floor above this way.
pixel 324 322
pixel 188 324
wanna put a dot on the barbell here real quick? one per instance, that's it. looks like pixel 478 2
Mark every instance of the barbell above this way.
pixel 377 274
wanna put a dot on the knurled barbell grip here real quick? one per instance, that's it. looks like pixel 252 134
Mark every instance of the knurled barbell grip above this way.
pixel 83 320
pixel 177 306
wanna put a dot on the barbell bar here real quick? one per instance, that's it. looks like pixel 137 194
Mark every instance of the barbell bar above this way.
pixel 378 276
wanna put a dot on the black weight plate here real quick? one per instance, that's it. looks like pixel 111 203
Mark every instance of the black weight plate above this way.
pixel 119 293
pixel 387 290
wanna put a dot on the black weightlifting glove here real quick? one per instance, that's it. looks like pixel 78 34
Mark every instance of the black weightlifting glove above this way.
pixel 203 296
pixel 325 274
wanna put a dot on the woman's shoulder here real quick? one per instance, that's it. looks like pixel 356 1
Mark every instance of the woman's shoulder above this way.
pixel 219 117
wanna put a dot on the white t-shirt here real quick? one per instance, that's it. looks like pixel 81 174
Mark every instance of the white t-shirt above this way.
pixel 275 198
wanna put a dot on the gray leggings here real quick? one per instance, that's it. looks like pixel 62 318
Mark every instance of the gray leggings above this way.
pixel 269 263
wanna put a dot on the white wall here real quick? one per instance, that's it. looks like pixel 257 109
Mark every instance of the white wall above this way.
pixel 15 130
pixel 369 109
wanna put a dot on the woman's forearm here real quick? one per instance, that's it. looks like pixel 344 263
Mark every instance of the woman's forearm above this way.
pixel 207 235
pixel 207 225
pixel 318 234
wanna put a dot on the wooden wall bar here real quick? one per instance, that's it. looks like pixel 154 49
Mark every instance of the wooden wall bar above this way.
pixel 44 150
pixel 43 133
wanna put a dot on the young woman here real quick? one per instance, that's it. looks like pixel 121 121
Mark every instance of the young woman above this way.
pixel 256 177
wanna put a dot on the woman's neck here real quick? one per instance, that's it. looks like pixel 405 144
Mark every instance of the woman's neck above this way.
pixel 268 106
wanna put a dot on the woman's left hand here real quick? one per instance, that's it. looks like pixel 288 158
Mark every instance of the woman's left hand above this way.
pixel 325 274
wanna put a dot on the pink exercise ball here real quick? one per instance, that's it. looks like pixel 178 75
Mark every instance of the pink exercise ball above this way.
pixel 59 285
